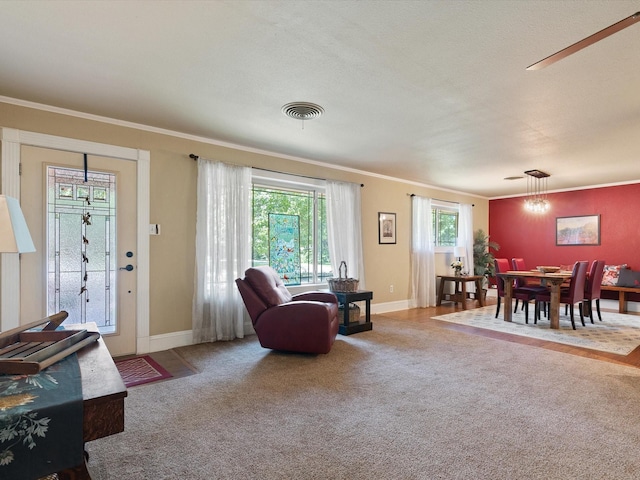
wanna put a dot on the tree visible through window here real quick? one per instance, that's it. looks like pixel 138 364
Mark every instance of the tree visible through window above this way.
pixel 309 205
pixel 445 226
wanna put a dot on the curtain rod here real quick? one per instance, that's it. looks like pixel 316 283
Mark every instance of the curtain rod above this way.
pixel 440 200
pixel 196 157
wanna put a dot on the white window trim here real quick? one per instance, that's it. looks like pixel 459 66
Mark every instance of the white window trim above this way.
pixel 442 205
pixel 268 178
pixel 285 180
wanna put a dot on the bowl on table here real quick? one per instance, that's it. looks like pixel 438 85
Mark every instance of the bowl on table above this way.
pixel 547 269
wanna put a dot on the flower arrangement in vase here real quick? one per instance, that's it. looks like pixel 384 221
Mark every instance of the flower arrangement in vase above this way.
pixel 457 267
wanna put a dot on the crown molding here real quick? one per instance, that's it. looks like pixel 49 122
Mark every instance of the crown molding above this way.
pixel 211 141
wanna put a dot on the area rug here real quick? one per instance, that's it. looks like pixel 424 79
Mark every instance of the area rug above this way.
pixel 140 370
pixel 617 333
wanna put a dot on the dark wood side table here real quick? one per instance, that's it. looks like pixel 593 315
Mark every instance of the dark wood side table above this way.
pixel 103 394
pixel 347 297
pixel 460 289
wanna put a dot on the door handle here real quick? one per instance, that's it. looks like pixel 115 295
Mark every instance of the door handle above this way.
pixel 128 268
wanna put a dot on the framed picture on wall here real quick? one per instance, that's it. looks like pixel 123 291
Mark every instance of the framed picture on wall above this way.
pixel 581 230
pixel 386 227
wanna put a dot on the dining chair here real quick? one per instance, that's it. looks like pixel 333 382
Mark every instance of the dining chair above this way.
pixel 520 265
pixel 519 293
pixel 592 288
pixel 569 296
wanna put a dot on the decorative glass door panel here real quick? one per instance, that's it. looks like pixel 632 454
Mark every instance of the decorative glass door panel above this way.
pixel 81 236
pixel 56 276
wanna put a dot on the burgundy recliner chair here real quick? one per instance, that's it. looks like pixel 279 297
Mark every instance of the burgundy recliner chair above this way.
pixel 307 322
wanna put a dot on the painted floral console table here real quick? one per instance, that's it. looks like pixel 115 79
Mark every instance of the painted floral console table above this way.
pixel 101 401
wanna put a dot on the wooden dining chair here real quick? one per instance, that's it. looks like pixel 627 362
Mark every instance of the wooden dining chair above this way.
pixel 592 288
pixel 570 296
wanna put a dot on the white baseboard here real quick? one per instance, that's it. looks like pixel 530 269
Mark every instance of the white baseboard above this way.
pixel 168 341
pixel 389 307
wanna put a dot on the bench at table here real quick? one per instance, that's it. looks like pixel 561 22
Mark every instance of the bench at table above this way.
pixel 622 295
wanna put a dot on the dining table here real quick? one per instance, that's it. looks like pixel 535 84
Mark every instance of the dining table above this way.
pixel 553 280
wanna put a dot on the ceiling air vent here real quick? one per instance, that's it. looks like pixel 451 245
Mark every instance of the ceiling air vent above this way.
pixel 302 110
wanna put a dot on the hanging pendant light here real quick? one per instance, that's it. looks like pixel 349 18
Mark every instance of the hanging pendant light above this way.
pixel 536 201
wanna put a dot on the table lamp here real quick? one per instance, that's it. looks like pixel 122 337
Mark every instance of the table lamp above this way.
pixel 14 233
pixel 459 252
pixel 14 238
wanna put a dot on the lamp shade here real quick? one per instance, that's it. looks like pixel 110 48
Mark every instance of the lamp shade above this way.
pixel 459 252
pixel 14 234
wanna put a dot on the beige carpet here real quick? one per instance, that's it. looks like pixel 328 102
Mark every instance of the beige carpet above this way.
pixel 617 333
pixel 408 400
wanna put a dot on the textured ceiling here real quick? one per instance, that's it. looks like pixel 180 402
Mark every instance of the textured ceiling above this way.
pixel 430 91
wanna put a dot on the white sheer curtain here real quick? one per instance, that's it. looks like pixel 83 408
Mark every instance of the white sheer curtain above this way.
pixel 465 239
pixel 344 228
pixel 423 268
pixel 223 251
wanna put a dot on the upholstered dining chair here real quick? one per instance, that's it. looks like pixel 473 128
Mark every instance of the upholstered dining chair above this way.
pixel 520 265
pixel 592 288
pixel 574 294
pixel 306 322
pixel 519 293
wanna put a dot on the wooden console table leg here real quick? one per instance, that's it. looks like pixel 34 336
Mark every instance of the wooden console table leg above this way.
pixel 77 473
pixel 464 294
pixel 440 292
pixel 479 293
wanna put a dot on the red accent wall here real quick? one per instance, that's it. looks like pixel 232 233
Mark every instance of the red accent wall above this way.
pixel 532 236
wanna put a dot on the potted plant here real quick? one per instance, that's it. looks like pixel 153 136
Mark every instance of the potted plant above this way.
pixel 482 256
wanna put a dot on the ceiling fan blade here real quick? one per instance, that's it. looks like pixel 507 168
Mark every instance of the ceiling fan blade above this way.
pixel 585 42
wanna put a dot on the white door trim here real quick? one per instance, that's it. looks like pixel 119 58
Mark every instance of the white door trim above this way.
pixel 12 140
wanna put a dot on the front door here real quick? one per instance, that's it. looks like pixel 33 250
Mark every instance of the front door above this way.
pixel 83 224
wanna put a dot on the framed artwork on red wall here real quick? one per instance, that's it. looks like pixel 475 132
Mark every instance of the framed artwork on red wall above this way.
pixel 580 230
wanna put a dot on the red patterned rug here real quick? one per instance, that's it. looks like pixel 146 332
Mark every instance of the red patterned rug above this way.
pixel 138 370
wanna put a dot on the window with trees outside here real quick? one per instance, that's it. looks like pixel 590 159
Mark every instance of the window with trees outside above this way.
pixel 302 204
pixel 445 225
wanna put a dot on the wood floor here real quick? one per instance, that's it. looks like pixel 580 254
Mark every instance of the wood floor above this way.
pixel 425 314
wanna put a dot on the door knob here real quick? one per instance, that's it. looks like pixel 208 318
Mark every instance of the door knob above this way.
pixel 128 268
